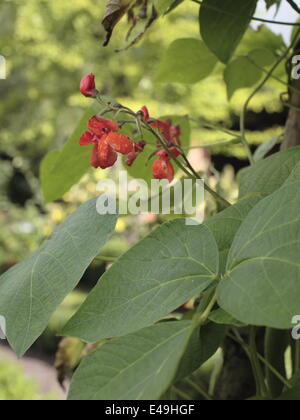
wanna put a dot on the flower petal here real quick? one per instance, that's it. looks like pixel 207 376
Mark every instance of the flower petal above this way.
pixel 107 156
pixel 87 138
pixel 163 169
pixel 95 157
pixel 120 143
pixel 100 125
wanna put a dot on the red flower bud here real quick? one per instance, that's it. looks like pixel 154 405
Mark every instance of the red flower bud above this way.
pixel 88 86
pixel 131 158
pixel 139 146
pixel 163 169
pixel 145 112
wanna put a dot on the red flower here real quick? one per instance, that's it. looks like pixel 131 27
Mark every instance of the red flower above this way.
pixel 107 142
pixel 163 169
pixel 138 148
pixel 88 86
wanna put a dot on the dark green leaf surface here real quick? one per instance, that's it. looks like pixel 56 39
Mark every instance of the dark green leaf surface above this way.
pixel 139 366
pixel 32 290
pixel 262 283
pixel 162 272
pixel 223 24
pixel 267 175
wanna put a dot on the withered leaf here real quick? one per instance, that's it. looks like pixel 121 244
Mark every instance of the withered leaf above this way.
pixel 115 10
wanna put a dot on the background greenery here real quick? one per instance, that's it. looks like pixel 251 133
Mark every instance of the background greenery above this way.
pixel 49 46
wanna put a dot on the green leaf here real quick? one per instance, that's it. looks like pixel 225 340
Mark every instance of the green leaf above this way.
pixel 224 318
pixel 187 60
pixel 202 345
pixel 264 149
pixel 61 169
pixel 165 6
pixel 139 366
pixel 223 24
pixel 245 71
pixel 225 225
pixel 267 175
pixel 142 168
pixel 32 290
pixel 262 282
pixel 163 271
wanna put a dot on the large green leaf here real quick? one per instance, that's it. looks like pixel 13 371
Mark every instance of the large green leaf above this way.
pixel 246 70
pixel 139 366
pixel 267 175
pixel 225 225
pixel 187 60
pixel 32 290
pixel 163 271
pixel 262 283
pixel 223 24
pixel 61 169
pixel 202 345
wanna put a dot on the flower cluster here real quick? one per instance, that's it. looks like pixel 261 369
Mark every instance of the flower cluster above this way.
pixel 162 167
pixel 104 134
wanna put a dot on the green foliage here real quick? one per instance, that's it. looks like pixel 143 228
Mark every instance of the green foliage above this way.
pixel 119 368
pixel 61 169
pixel 263 256
pixel 223 24
pixel 14 386
pixel 239 268
pixel 32 290
pixel 186 61
pixel 174 266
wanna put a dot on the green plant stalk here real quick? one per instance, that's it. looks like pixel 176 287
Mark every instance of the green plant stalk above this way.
pixel 105 259
pixel 262 389
pixel 201 319
pixel 259 87
pixel 214 127
pixel 276 342
pixel 182 394
pixel 224 203
pixel 294 5
pixel 199 389
pixel 262 359
pixel 216 9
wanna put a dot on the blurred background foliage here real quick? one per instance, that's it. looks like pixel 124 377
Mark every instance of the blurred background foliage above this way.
pixel 49 46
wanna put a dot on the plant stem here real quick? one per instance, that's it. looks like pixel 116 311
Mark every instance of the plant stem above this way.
pixel 262 389
pixel 261 358
pixel 274 371
pixel 182 394
pixel 294 5
pixel 207 125
pixel 250 17
pixel 105 259
pixel 224 203
pixel 259 87
pixel 216 144
pixel 199 389
pixel 201 320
